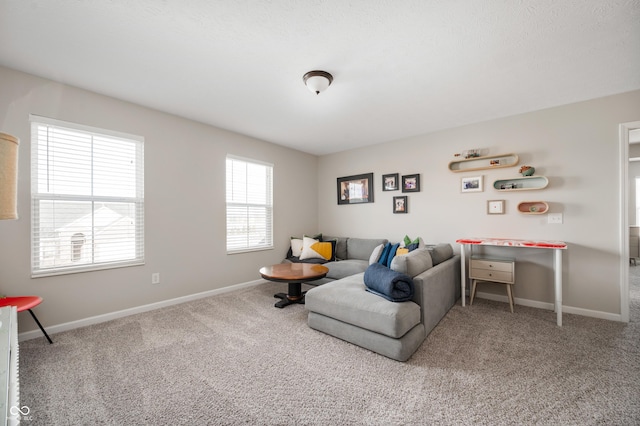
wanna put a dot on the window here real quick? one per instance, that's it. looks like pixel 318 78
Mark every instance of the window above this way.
pixel 87 198
pixel 249 205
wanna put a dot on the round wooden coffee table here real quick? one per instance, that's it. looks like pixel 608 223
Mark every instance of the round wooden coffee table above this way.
pixel 294 274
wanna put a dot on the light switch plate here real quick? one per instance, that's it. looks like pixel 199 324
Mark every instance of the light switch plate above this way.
pixel 554 218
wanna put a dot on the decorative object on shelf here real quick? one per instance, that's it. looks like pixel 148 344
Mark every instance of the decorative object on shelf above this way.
pixel 495 207
pixel 411 183
pixel 527 170
pixel 483 162
pixel 317 81
pixel 471 184
pixel 400 204
pixel 390 182
pixel 355 189
pixel 533 207
pixel 471 153
pixel 521 183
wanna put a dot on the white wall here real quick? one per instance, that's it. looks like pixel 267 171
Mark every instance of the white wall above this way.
pixel 575 146
pixel 184 210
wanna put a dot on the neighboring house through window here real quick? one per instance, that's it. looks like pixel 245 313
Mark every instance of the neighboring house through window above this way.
pixel 87 198
pixel 249 205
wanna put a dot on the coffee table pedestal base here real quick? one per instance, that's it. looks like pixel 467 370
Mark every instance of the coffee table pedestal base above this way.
pixel 295 295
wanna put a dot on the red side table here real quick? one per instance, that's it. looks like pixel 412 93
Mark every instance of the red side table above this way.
pixel 23 303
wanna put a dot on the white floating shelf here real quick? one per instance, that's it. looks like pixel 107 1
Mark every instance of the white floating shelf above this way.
pixel 484 163
pixel 521 183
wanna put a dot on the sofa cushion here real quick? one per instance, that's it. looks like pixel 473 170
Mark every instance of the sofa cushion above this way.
pixel 413 263
pixel 440 253
pixel 348 301
pixel 361 248
pixel 344 268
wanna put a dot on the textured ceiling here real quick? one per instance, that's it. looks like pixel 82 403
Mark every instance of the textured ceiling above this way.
pixel 400 67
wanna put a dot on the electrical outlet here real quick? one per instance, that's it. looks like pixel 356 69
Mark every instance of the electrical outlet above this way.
pixel 155 278
pixel 554 218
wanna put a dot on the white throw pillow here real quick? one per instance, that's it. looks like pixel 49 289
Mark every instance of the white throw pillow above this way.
pixel 307 251
pixel 375 254
pixel 296 247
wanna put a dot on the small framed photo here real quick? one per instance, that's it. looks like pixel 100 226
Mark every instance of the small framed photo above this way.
pixel 495 207
pixel 400 204
pixel 411 183
pixel 471 184
pixel 390 182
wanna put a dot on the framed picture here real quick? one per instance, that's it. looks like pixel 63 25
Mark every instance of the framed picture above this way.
pixel 495 207
pixel 400 204
pixel 355 189
pixel 390 182
pixel 411 183
pixel 471 184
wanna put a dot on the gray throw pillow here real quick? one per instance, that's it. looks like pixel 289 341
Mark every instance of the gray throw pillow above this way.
pixel 413 263
pixel 440 253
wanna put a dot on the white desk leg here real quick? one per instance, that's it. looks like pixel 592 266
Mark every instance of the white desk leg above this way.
pixel 557 267
pixel 463 271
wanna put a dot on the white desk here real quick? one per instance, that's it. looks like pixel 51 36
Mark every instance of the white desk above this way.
pixel 556 246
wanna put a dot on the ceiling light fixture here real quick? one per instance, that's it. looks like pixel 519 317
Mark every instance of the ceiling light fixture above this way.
pixel 317 81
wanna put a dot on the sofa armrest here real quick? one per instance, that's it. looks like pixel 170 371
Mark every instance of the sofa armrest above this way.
pixel 436 290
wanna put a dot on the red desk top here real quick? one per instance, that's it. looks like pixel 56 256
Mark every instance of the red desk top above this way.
pixel 21 302
pixel 514 243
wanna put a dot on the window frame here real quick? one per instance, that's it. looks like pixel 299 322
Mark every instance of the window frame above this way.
pixel 136 201
pixel 268 206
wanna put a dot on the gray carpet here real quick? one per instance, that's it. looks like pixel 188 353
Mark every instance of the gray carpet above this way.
pixel 235 359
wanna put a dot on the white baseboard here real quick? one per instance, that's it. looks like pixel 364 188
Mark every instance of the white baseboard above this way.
pixel 549 306
pixel 27 335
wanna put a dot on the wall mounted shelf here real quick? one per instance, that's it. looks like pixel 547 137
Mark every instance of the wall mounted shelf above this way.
pixel 483 163
pixel 521 183
pixel 533 207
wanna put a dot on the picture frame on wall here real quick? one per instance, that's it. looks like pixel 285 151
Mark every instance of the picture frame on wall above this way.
pixel 495 207
pixel 390 182
pixel 356 189
pixel 411 183
pixel 400 204
pixel 471 184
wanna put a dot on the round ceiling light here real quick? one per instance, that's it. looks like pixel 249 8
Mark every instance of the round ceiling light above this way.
pixel 317 81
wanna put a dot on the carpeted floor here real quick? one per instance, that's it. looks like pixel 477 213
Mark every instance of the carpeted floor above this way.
pixel 235 359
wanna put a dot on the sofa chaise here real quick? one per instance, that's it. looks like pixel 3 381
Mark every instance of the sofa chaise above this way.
pixel 344 309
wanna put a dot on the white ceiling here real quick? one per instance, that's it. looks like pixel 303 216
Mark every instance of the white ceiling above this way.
pixel 401 67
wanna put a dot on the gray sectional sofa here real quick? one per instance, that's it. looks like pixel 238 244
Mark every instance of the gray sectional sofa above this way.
pixel 352 257
pixel 343 308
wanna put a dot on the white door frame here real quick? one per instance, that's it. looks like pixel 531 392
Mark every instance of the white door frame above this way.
pixel 624 130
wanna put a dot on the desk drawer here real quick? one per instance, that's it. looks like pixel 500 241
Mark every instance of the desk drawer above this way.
pixel 491 275
pixel 491 265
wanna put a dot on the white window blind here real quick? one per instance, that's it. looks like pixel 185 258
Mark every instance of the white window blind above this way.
pixel 249 205
pixel 87 198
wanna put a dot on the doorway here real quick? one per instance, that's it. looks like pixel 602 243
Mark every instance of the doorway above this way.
pixel 629 133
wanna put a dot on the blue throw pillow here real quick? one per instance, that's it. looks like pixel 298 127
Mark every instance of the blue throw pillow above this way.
pixel 392 254
pixel 385 254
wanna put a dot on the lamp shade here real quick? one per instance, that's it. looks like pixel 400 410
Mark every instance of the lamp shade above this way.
pixel 317 81
pixel 8 176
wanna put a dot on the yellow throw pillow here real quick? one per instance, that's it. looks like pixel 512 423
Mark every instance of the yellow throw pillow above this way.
pixel 314 249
